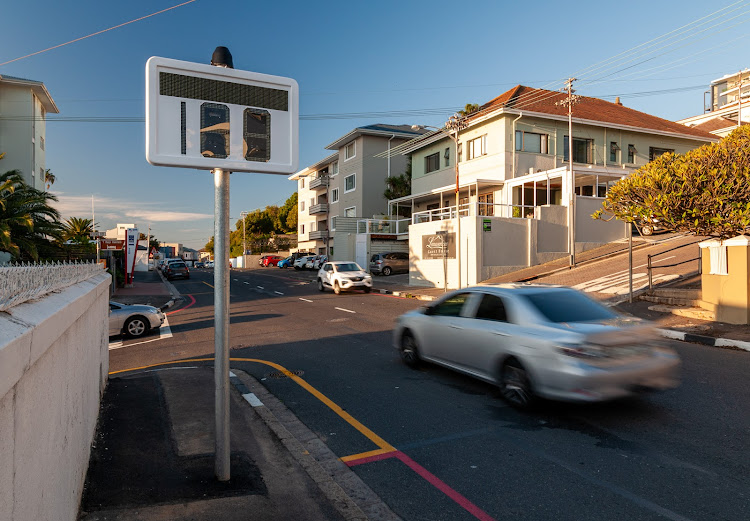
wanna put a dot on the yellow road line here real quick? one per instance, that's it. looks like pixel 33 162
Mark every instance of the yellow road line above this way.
pixel 207 284
pixel 369 454
pixel 377 440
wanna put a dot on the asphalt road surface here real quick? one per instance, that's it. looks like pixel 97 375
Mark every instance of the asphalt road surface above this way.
pixel 455 450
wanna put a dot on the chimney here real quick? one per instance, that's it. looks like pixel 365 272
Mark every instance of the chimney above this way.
pixel 617 101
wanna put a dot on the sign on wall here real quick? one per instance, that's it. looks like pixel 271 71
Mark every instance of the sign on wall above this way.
pixel 439 246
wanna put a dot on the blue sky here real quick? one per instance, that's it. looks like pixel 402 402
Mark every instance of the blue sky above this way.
pixel 348 57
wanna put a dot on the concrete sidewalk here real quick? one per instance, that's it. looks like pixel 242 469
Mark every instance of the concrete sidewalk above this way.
pixel 149 288
pixel 153 458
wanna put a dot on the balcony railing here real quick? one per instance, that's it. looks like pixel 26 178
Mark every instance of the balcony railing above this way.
pixel 476 209
pixel 319 182
pixel 318 208
pixel 318 235
pixel 383 226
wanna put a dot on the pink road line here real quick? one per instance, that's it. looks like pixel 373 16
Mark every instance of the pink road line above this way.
pixel 192 299
pixel 432 479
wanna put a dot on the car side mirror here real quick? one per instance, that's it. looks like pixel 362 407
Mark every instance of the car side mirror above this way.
pixel 429 310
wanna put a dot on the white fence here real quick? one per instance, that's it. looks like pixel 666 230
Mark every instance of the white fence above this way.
pixel 22 282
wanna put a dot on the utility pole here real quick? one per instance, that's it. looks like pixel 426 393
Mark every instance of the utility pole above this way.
pixel 570 101
pixel 244 246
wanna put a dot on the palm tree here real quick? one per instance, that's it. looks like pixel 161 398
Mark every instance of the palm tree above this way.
pixel 77 230
pixel 49 178
pixel 468 109
pixel 27 220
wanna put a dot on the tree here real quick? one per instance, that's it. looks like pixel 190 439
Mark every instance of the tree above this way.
pixel 468 109
pixel 77 230
pixel 27 221
pixel 210 246
pixel 153 244
pixel 49 178
pixel 400 185
pixel 705 191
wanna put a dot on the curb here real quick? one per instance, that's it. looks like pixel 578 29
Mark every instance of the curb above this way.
pixel 702 339
pixel 351 497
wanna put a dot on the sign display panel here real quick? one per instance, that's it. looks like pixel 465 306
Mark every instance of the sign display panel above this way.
pixel 439 246
pixel 206 117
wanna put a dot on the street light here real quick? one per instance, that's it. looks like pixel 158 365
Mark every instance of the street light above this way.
pixel 454 123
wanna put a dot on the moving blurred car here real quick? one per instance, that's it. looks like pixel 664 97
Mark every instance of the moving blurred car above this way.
pixel 133 321
pixel 343 275
pixel 177 269
pixel 270 260
pixel 301 262
pixel 538 341
pixel 285 263
pixel 387 263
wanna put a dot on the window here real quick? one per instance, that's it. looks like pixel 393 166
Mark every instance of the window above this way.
pixel 302 206
pixel 447 157
pixel 614 148
pixel 350 151
pixel 532 142
pixel 333 222
pixel 302 183
pixel 301 229
pixel 450 307
pixel 460 152
pixel 486 204
pixel 582 150
pixel 335 195
pixel 350 212
pixel 631 153
pixel 477 147
pixel 654 152
pixel 432 162
pixel 41 142
pixel 312 201
pixel 334 168
pixel 492 308
pixel 350 183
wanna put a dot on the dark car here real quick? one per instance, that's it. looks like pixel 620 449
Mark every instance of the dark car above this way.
pixel 387 263
pixel 177 269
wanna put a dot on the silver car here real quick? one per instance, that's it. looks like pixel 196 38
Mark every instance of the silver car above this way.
pixel 133 320
pixel 538 341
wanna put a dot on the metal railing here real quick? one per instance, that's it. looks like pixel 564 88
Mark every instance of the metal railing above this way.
pixel 477 209
pixel 651 267
pixel 384 226
pixel 22 282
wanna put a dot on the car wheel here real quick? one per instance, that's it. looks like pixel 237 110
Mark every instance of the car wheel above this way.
pixel 320 285
pixel 409 351
pixel 647 230
pixel 515 386
pixel 387 271
pixel 336 288
pixel 368 289
pixel 136 326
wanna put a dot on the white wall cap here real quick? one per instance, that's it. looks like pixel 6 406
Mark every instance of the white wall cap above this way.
pixel 740 240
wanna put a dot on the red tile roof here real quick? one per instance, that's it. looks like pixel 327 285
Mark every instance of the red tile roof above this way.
pixel 718 123
pixel 521 97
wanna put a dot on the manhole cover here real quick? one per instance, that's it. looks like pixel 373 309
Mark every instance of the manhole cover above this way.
pixel 279 374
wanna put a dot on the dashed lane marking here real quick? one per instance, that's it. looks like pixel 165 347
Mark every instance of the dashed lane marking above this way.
pixel 306 300
pixel 260 287
pixel 347 310
pixel 278 292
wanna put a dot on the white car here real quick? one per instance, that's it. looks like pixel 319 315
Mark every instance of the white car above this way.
pixel 343 275
pixel 301 262
pixel 133 320
pixel 538 341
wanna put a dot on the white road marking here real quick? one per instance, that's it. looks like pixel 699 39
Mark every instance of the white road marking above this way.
pixel 236 280
pixel 260 287
pixel 246 282
pixel 278 292
pixel 252 400
pixel 306 300
pixel 347 310
pixel 231 373
pixel 164 332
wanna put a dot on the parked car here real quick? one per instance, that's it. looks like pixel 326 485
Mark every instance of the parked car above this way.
pixel 649 227
pixel 387 263
pixel 168 262
pixel 199 265
pixel 319 261
pixel 285 263
pixel 177 269
pixel 538 341
pixel 270 260
pixel 301 262
pixel 209 264
pixel 133 321
pixel 343 275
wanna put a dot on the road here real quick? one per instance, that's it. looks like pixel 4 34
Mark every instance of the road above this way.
pixel 459 452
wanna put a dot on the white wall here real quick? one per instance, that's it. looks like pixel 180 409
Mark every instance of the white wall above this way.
pixel 54 362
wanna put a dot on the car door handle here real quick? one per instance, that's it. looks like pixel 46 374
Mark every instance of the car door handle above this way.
pixel 456 327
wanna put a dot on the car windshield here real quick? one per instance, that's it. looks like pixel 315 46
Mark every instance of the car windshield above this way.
pixel 566 305
pixel 177 265
pixel 348 266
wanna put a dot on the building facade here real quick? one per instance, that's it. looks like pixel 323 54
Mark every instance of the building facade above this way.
pixel 727 107
pixel 24 105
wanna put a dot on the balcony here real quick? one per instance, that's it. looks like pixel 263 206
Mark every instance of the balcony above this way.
pixel 398 228
pixel 319 182
pixel 318 208
pixel 319 235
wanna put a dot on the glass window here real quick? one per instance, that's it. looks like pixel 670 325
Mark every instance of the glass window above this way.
pixel 302 228
pixel 432 162
pixel 531 142
pixel 486 204
pixel 333 222
pixel 302 206
pixel 335 168
pixel 447 156
pixel 460 152
pixel 568 305
pixel 582 150
pixel 350 212
pixel 654 152
pixel 631 153
pixel 450 307
pixel 41 142
pixel 350 151
pixel 302 183
pixel 350 183
pixel 214 130
pixel 613 149
pixel 492 308
pixel 335 195
pixel 477 147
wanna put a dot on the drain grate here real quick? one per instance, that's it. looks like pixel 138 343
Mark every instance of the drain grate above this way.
pixel 279 374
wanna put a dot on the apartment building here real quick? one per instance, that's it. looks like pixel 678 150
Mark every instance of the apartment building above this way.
pixel 348 184
pixel 24 105
pixel 727 106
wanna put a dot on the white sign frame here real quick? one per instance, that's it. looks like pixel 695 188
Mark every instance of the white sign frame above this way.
pixel 168 145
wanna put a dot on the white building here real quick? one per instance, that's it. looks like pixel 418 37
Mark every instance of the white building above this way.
pixel 24 105
pixel 727 106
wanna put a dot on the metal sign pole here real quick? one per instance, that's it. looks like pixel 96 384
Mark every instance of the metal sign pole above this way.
pixel 221 323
